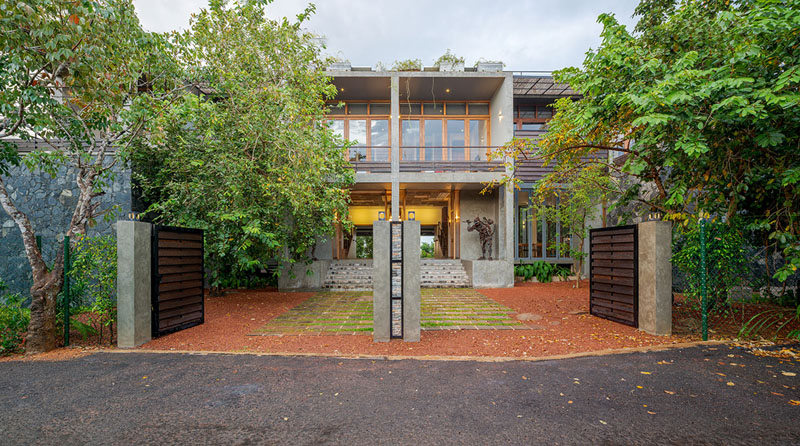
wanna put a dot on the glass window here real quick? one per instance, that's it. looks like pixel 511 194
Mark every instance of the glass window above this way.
pixel 407 108
pixel 455 139
pixel 479 109
pixel 456 108
pixel 380 109
pixel 433 139
pixel 532 126
pixel 477 133
pixel 527 111
pixel 410 138
pixel 523 225
pixel 552 228
pixel 433 109
pixel 356 109
pixel 379 133
pixel 543 112
pixel 334 109
pixel 358 135
pixel 337 125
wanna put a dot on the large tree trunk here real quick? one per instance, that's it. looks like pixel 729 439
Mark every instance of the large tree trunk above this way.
pixel 42 334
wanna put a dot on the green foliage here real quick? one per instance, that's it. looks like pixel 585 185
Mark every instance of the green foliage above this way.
pixel 407 65
pixel 364 247
pixel 703 100
pixel 93 281
pixel 427 250
pixel 543 271
pixel 776 319
pixel 85 330
pixel 726 262
pixel 14 319
pixel 250 161
pixel 448 58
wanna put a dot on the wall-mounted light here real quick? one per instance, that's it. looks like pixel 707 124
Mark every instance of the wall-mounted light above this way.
pixel 412 215
pixel 447 90
pixel 381 215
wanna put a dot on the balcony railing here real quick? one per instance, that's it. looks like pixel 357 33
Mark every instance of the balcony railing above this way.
pixel 424 159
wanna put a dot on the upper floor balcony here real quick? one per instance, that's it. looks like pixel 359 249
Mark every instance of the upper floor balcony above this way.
pixel 424 159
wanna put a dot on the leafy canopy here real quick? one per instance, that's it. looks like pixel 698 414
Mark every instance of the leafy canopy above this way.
pixel 702 99
pixel 249 158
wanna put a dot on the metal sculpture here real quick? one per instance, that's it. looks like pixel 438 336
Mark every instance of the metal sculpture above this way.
pixel 486 230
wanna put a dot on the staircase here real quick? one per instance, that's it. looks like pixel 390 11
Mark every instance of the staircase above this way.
pixel 442 273
pixel 356 275
pixel 349 275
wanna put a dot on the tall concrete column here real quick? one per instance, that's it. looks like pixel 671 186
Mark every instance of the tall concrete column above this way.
pixel 395 157
pixel 381 244
pixel 133 283
pixel 655 277
pixel 412 306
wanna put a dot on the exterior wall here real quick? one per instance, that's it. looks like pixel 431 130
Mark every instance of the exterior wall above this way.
pixel 304 277
pixel 501 107
pixel 49 204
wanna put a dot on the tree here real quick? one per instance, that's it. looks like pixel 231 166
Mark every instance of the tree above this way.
pixel 702 100
pixel 249 159
pixel 69 76
pixel 576 208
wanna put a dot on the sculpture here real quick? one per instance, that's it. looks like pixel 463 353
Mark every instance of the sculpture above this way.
pixel 486 230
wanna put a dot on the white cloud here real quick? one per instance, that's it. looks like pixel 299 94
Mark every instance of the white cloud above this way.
pixel 526 35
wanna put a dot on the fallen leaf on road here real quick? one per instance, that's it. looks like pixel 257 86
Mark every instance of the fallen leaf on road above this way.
pixel 569 402
pixel 645 373
pixel 789 374
pixel 639 387
pixel 603 422
pixel 730 383
pixel 794 402
pixel 776 393
pixel 669 392
pixel 721 374
pixel 651 413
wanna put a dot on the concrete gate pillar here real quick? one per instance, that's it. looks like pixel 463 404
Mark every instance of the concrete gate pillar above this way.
pixel 655 277
pixel 133 283
pixel 386 309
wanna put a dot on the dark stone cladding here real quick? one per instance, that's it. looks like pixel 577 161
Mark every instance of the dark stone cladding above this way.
pixel 49 203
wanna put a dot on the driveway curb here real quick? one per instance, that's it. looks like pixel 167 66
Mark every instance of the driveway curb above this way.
pixel 620 351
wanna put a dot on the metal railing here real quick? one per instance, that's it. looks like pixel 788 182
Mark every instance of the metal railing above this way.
pixel 424 159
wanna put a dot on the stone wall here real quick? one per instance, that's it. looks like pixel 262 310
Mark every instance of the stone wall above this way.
pixel 49 203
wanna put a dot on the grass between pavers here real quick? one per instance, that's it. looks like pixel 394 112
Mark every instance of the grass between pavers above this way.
pixel 351 313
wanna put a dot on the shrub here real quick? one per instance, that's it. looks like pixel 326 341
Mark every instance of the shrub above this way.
pixel 14 319
pixel 94 280
pixel 543 271
pixel 726 262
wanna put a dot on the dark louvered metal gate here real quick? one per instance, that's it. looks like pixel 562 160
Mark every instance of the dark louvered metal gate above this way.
pixel 177 279
pixel 613 280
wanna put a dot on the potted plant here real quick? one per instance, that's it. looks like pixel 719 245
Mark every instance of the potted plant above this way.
pixel 339 64
pixel 483 65
pixel 407 65
pixel 449 62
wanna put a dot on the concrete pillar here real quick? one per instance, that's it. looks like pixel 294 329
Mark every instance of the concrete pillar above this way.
pixel 133 283
pixel 655 277
pixel 381 324
pixel 395 157
pixel 412 306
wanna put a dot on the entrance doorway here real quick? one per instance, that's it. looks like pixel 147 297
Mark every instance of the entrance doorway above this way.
pixel 436 210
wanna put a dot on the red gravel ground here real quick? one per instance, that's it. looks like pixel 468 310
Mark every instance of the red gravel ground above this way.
pixel 231 318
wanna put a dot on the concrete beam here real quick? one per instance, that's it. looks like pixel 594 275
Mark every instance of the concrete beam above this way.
pixel 133 283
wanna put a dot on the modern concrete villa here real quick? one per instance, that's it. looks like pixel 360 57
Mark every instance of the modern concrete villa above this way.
pixel 420 153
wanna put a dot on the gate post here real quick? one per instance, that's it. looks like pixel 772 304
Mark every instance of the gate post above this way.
pixel 395 281
pixel 655 277
pixel 133 283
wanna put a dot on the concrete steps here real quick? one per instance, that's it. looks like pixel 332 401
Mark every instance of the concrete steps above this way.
pixel 356 275
pixel 349 275
pixel 442 273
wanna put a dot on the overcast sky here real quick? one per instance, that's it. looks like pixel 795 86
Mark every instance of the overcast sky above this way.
pixel 526 35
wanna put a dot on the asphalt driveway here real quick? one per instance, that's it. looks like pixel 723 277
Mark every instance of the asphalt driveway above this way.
pixel 716 395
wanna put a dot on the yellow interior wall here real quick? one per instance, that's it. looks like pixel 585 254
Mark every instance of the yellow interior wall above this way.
pixel 366 215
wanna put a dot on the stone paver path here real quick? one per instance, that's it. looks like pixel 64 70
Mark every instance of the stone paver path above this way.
pixel 350 313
